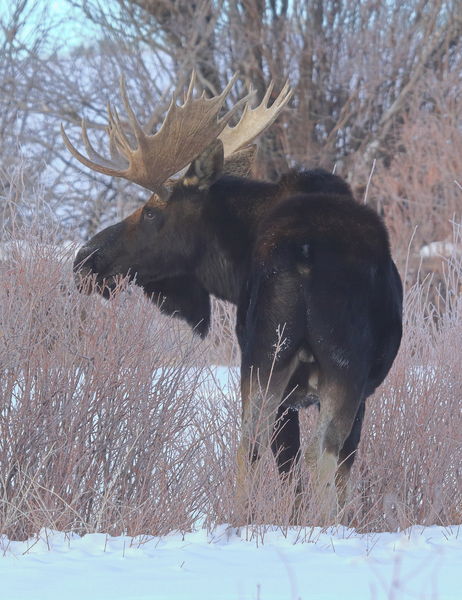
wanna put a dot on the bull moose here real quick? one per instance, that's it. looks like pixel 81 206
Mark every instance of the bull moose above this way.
pixel 319 298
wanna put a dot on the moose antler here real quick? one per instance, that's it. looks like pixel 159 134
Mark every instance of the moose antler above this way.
pixel 254 120
pixel 150 159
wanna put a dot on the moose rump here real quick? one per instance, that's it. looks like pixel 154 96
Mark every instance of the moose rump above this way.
pixel 324 294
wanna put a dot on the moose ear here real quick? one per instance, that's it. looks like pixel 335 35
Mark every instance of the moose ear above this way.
pixel 240 163
pixel 206 168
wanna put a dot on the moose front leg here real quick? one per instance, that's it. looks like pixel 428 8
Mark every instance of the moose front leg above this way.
pixel 286 440
pixel 270 345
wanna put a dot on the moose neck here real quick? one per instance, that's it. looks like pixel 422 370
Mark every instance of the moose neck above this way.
pixel 230 216
pixel 221 276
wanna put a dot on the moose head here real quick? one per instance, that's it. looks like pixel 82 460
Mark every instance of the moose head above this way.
pixel 165 238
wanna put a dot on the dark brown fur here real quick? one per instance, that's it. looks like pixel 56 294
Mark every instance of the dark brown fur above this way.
pixel 300 257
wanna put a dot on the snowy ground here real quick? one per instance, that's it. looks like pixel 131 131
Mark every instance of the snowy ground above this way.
pixel 420 563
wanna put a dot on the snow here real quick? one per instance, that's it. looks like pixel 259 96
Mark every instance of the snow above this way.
pixel 440 249
pixel 421 563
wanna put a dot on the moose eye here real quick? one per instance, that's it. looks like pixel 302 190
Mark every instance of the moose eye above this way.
pixel 149 214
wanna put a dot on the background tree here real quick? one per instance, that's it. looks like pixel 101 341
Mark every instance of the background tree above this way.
pixel 368 77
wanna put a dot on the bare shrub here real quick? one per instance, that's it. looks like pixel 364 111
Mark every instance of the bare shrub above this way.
pixel 418 192
pixel 97 405
pixel 113 417
pixel 408 469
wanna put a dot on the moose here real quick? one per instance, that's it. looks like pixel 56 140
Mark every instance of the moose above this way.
pixel 318 296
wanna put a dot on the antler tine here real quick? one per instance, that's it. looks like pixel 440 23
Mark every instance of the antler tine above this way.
pixel 136 127
pixel 95 165
pixel 268 93
pixel 119 145
pixel 191 86
pixel 255 120
pixel 118 164
pixel 227 89
pixel 92 153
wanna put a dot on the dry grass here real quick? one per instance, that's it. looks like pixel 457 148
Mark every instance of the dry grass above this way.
pixel 112 420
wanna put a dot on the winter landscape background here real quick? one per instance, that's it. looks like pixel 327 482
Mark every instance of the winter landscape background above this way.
pixel 118 426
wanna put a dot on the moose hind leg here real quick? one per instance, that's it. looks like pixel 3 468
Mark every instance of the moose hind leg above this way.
pixel 339 406
pixel 347 456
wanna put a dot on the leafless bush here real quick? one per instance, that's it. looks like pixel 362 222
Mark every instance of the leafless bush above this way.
pixel 113 419
pixel 418 193
pixel 390 460
pixel 408 469
pixel 97 404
